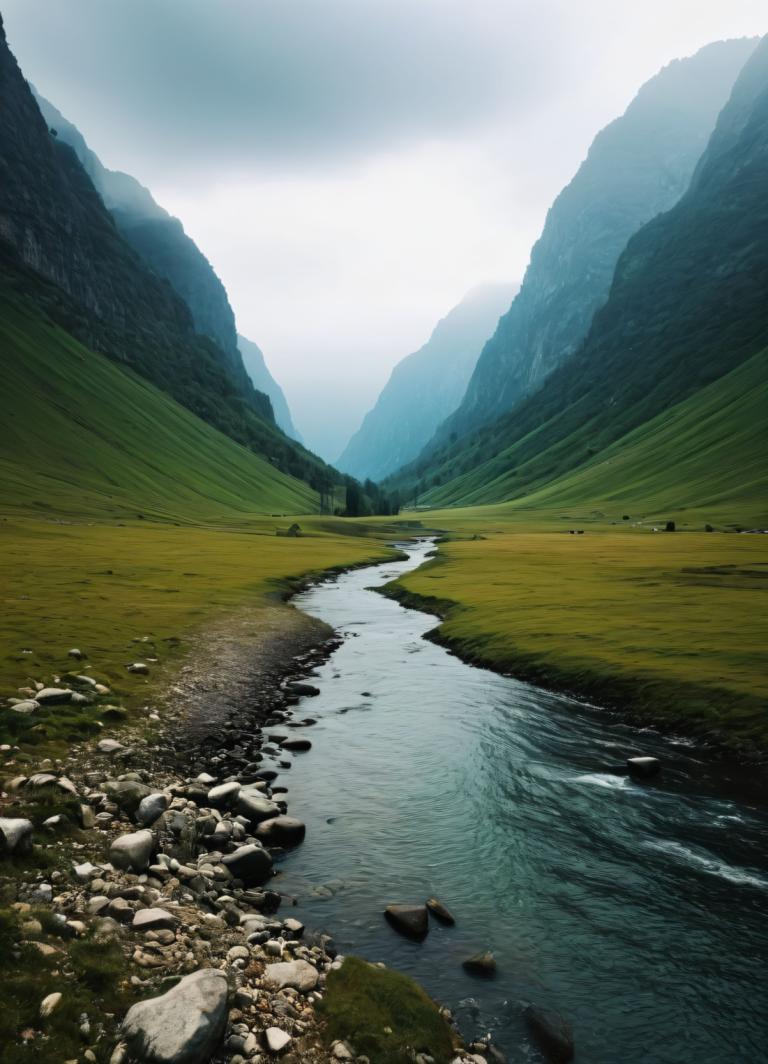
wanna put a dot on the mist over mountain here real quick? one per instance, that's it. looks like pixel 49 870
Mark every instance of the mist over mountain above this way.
pixel 258 371
pixel 686 307
pixel 425 387
pixel 158 238
pixel 636 168
pixel 62 249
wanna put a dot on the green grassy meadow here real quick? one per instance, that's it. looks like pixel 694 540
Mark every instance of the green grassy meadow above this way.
pixel 101 588
pixel 85 438
pixel 668 626
pixel 705 457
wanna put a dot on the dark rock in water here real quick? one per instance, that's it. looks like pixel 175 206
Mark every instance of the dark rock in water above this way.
pixel 297 744
pixel 282 831
pixel 183 1026
pixel 440 912
pixel 480 964
pixel 552 1032
pixel 252 864
pixel 255 807
pixel 409 920
pixel 305 690
pixel 645 767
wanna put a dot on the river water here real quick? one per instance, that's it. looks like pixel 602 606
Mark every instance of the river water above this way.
pixel 636 910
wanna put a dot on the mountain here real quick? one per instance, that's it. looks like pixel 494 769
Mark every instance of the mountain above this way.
pixel 158 238
pixel 687 307
pixel 425 387
pixel 262 379
pixel 55 228
pixel 637 167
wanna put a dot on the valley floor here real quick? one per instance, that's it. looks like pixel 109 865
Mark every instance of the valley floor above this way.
pixel 146 592
pixel 668 627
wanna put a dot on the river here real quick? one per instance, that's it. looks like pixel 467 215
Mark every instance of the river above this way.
pixel 636 910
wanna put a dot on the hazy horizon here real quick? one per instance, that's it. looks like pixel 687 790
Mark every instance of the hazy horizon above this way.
pixel 350 170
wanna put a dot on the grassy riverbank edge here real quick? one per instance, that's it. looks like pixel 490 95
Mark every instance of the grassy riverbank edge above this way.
pixel 731 722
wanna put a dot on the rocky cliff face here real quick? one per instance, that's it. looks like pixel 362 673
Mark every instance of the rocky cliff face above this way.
pixel 687 305
pixel 425 387
pixel 158 238
pixel 638 167
pixel 257 370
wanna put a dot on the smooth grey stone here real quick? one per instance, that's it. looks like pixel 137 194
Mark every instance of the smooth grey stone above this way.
pixel 154 920
pixel 251 864
pixel 184 1026
pixel 151 808
pixel 132 852
pixel 281 831
pixel 301 975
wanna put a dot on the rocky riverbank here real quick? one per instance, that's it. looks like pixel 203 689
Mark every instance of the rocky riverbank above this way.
pixel 153 849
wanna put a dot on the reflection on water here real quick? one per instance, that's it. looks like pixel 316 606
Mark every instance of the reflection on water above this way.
pixel 636 910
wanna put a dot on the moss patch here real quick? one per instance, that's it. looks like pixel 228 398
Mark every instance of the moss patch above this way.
pixel 364 1003
pixel 91 976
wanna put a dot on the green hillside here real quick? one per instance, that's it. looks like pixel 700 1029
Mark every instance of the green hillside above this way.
pixel 708 453
pixel 83 436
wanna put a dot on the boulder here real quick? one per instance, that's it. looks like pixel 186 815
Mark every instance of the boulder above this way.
pixel 224 796
pixel 282 831
pixel 49 1004
pixel 409 920
pixel 151 808
pixel 15 835
pixel 440 912
pixel 480 964
pixel 296 745
pixel 251 864
pixel 75 653
pixel 277 1041
pixel 255 807
pixel 109 746
pixel 51 695
pixel 26 706
pixel 301 975
pixel 126 794
pixel 552 1032
pixel 303 690
pixel 139 668
pixel 183 1026
pixel 644 767
pixel 153 920
pixel 132 852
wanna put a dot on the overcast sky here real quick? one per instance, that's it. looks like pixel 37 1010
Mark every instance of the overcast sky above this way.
pixel 352 167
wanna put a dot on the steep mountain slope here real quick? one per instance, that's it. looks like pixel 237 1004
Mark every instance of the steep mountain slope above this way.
pixel 84 436
pixel 425 387
pixel 707 454
pixel 262 379
pixel 637 167
pixel 158 238
pixel 52 216
pixel 687 306
pixel 55 228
